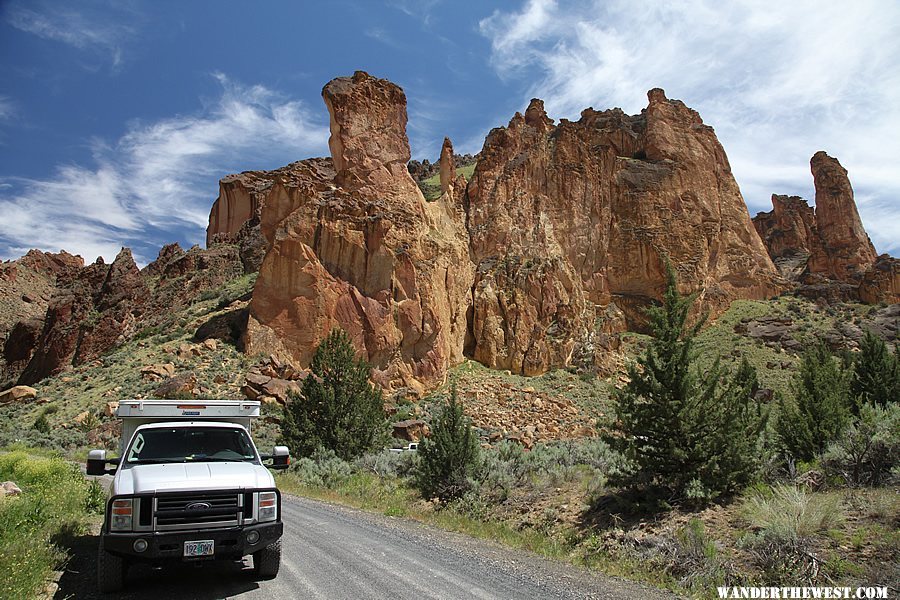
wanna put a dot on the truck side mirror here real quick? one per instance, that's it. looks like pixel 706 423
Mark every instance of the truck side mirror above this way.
pixel 97 461
pixel 281 457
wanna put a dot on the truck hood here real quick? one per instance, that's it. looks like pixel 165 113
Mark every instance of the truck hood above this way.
pixel 146 479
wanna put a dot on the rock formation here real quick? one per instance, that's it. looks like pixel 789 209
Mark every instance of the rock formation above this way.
pixel 567 218
pixel 358 247
pixel 790 234
pixel 92 310
pixel 826 249
pixel 881 282
pixel 447 166
pixel 178 277
pixel 554 247
pixel 81 312
pixel 26 286
pixel 846 248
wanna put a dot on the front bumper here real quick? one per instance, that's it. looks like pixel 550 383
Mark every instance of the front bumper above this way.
pixel 229 543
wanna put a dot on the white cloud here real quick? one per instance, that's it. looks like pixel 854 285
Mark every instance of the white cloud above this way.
pixel 85 29
pixel 6 108
pixel 418 9
pixel 779 81
pixel 158 176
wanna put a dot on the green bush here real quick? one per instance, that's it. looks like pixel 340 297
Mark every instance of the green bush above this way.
pixel 868 450
pixel 53 502
pixel 821 408
pixel 323 469
pixel 41 424
pixel 338 409
pixel 690 435
pixel 876 374
pixel 449 459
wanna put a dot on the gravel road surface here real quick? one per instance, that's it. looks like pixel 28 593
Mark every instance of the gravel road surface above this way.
pixel 335 552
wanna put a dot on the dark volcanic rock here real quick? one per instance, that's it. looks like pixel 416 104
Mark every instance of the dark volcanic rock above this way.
pixel 93 310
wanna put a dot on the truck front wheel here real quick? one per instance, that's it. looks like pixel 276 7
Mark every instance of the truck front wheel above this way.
pixel 267 561
pixel 110 571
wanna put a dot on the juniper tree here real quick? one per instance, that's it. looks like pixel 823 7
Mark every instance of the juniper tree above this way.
pixel 449 458
pixel 337 408
pixel 820 409
pixel 876 374
pixel 689 434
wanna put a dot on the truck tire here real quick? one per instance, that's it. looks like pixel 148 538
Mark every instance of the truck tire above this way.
pixel 267 561
pixel 111 571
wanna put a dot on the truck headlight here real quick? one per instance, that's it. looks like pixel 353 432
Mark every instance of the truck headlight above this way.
pixel 120 518
pixel 267 506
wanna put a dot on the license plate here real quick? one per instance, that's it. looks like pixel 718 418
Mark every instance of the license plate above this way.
pixel 199 548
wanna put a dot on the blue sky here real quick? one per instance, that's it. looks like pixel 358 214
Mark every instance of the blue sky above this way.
pixel 117 118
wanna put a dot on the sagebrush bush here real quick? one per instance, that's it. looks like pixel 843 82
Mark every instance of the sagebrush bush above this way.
pixel 41 424
pixel 507 466
pixel 791 513
pixel 323 469
pixel 868 450
pixel 389 464
pixel 786 519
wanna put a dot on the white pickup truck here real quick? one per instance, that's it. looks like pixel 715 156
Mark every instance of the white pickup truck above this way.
pixel 189 485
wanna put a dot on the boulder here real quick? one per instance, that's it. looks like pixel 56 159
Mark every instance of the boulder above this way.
pixel 281 389
pixel 180 386
pixel 158 372
pixel 18 393
pixel 411 430
pixel 9 488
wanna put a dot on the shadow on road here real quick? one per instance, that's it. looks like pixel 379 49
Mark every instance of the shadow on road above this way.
pixel 203 581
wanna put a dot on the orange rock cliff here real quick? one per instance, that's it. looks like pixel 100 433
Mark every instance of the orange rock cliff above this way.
pixel 556 244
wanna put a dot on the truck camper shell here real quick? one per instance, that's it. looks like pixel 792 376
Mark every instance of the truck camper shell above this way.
pixel 135 413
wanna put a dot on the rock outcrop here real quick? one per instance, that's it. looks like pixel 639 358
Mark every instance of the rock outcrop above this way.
pixel 554 247
pixel 790 234
pixel 881 282
pixel 846 250
pixel 26 286
pixel 357 246
pixel 178 277
pixel 567 218
pixel 826 250
pixel 91 311
pixel 447 165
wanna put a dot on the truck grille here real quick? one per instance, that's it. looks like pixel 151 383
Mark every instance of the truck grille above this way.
pixel 192 511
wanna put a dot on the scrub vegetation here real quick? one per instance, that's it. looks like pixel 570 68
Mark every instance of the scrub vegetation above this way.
pixel 55 504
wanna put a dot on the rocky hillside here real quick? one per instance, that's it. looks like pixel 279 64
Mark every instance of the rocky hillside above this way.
pixel 542 257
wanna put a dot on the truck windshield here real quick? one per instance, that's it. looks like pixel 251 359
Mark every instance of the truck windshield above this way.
pixel 190 444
